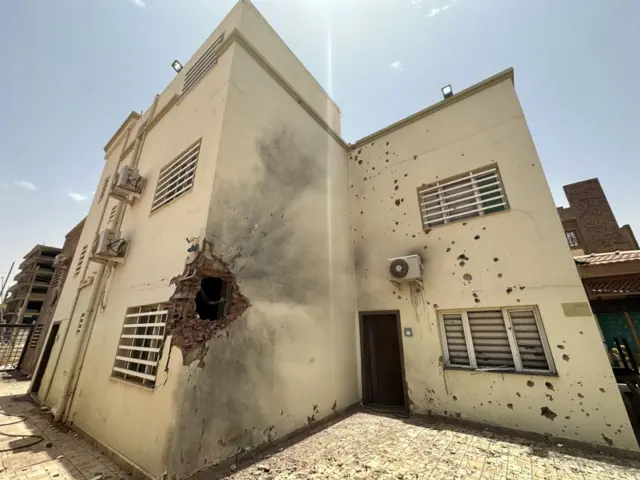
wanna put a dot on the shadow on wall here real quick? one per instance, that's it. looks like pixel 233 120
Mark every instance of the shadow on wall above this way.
pixel 267 227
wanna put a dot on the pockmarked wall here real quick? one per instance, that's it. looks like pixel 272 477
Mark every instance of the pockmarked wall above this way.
pixel 514 258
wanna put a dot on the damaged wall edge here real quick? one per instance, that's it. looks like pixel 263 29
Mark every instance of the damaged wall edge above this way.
pixel 188 331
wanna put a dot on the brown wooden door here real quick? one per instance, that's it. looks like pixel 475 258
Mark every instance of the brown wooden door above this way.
pixel 382 360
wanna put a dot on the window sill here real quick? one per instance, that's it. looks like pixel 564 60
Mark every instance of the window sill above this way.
pixel 133 384
pixel 467 219
pixel 510 372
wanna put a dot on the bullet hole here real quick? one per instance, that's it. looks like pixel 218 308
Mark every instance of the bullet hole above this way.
pixel 395 181
pixel 607 439
pixel 387 152
pixel 356 159
pixel 548 413
pixel 580 395
pixel 477 237
pixel 415 157
pixel 499 275
pixel 453 242
pixel 518 394
pixel 399 297
pixel 530 383
pixel 549 385
pixel 567 417
pixel 561 347
pixel 435 305
pixel 397 202
pixel 518 300
pixel 394 229
pixel 550 397
pixel 509 290
pixel 212 298
pixel 361 212
pixel 394 292
pixel 413 236
pixel 510 405
pixel 351 186
pixel 602 390
pixel 455 398
pixel 484 228
pixel 462 256
pixel 373 168
pixel 522 287
pixel 396 187
pixel 365 179
pixel 387 160
pixel 462 263
pixel 462 155
pixel 387 143
pixel 495 259
pixel 468 278
pixel 581 332
pixel 359 162
pixel 397 223
pixel 565 357
pixel 448 249
pixel 406 174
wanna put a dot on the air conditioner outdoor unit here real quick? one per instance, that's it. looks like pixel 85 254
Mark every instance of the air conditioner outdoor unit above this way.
pixel 403 269
pixel 128 182
pixel 60 261
pixel 109 246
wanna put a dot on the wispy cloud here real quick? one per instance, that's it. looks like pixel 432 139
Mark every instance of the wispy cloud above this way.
pixel 4 185
pixel 76 197
pixel 436 10
pixel 397 66
pixel 24 184
pixel 138 3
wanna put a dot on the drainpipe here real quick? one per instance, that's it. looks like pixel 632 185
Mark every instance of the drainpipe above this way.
pixel 63 410
pixel 62 403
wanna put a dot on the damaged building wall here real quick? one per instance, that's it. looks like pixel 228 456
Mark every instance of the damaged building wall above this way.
pixel 278 221
pixel 156 253
pixel 514 258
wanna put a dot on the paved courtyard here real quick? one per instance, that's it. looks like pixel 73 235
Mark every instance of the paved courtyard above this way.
pixel 361 446
pixel 54 454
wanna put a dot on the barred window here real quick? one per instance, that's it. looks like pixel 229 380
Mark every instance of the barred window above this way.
pixel 572 238
pixel 141 344
pixel 504 339
pixel 176 178
pixel 470 195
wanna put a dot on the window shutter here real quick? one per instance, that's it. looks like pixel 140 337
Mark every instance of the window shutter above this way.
pixel 208 59
pixel 528 340
pixel 490 340
pixel 456 344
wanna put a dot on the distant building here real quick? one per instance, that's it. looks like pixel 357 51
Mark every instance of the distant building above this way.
pixel 41 328
pixel 26 297
pixel 589 223
pixel 244 272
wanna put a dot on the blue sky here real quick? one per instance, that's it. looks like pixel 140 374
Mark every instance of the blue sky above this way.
pixel 74 69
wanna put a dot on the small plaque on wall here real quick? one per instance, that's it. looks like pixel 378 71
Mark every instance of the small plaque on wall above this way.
pixel 576 309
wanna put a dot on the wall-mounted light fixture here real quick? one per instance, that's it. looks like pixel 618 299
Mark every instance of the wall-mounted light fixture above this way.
pixel 177 66
pixel 447 91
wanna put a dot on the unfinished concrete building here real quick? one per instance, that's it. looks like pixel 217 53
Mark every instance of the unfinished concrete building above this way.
pixel 244 273
pixel 26 297
pixel 61 264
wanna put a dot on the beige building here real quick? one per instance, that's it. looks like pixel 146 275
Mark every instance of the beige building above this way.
pixel 243 272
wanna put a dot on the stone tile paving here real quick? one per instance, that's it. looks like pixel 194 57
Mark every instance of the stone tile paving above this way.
pixel 61 454
pixel 372 446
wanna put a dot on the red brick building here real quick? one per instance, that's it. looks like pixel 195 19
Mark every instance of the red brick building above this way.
pixel 589 222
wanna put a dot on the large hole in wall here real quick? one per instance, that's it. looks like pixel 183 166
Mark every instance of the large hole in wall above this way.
pixel 213 298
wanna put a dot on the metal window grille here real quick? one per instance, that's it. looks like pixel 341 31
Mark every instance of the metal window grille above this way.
pixel 208 59
pixel 103 190
pixel 141 344
pixel 176 178
pixel 83 252
pixel 114 209
pixel 469 195
pixel 507 339
pixel 572 238
pixel 35 336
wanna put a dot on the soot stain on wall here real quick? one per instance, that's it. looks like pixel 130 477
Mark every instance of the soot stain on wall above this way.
pixel 256 234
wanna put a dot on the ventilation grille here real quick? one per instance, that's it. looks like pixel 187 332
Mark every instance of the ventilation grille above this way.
pixel 83 252
pixel 470 195
pixel 103 190
pixel 208 59
pixel 37 331
pixel 176 178
pixel 490 340
pixel 56 276
pixel 80 323
pixel 528 340
pixel 112 215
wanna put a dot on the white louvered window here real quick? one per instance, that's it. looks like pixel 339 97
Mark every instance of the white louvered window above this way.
pixel 141 344
pixel 199 69
pixel 176 178
pixel 505 339
pixel 470 195
pixel 572 238
pixel 83 253
pixel 103 190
